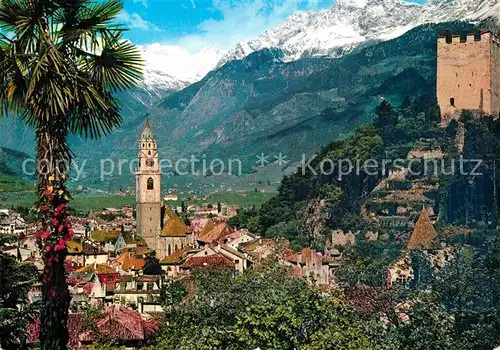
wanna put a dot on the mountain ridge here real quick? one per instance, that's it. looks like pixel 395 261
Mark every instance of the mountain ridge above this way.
pixel 331 32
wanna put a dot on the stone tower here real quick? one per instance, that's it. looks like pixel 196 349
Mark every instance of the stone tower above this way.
pixel 468 75
pixel 148 188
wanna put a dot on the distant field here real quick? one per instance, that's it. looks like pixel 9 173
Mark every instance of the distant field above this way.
pixel 242 199
pixel 13 184
pixel 85 203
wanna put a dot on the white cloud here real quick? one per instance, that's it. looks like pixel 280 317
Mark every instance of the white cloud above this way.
pixel 135 21
pixel 143 2
pixel 241 20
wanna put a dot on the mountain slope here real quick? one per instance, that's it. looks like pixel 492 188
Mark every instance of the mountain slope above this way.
pixel 173 68
pixel 262 104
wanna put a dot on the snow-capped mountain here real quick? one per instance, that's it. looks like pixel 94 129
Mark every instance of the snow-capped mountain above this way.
pixel 173 67
pixel 349 22
pixel 330 32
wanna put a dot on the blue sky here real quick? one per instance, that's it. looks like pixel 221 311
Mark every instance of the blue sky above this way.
pixel 195 24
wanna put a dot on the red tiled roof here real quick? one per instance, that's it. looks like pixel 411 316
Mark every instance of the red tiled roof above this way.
pixel 128 260
pixel 176 257
pixel 423 234
pixel 174 227
pixel 124 324
pixel 100 269
pixel 103 235
pixel 209 260
pixel 218 231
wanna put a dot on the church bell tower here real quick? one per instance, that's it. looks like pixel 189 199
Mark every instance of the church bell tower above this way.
pixel 148 188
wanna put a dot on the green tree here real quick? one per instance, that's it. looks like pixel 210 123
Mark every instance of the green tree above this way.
pixel 16 279
pixel 60 64
pixel 301 320
pixel 264 307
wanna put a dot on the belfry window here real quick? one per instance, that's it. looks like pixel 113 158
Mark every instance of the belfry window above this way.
pixel 452 101
pixel 150 184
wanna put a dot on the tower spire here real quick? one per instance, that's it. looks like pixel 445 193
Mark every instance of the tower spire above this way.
pixel 147 132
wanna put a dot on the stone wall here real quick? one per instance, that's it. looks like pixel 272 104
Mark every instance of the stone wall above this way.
pixel 341 238
pixel 495 75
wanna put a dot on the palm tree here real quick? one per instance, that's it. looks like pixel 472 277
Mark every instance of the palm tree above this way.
pixel 61 61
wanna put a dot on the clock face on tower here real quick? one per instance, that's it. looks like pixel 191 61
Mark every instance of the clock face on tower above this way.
pixel 150 162
pixel 150 197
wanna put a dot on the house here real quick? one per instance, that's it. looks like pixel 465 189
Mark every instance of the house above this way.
pixel 228 211
pixel 12 224
pixel 85 289
pixel 197 223
pixel 104 272
pixel 239 237
pixel 131 259
pixel 93 253
pixel 172 263
pixel 171 197
pixel 141 292
pixel 207 257
pixel 213 260
pixel 400 271
pixel 213 232
pixel 311 265
pixel 239 259
pixel 262 248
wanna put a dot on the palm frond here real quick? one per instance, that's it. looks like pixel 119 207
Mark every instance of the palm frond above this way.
pixel 89 23
pixel 97 112
pixel 21 18
pixel 13 85
pixel 118 67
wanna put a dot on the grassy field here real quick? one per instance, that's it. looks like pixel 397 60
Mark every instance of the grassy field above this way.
pixel 13 184
pixel 84 203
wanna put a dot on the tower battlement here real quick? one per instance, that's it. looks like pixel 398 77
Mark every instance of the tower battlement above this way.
pixel 468 74
pixel 469 38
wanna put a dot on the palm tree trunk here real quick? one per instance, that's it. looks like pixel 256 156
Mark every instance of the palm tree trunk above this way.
pixel 54 231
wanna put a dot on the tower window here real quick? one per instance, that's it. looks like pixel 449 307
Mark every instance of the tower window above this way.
pixel 452 101
pixel 149 153
pixel 150 184
pixel 143 145
pixel 149 145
